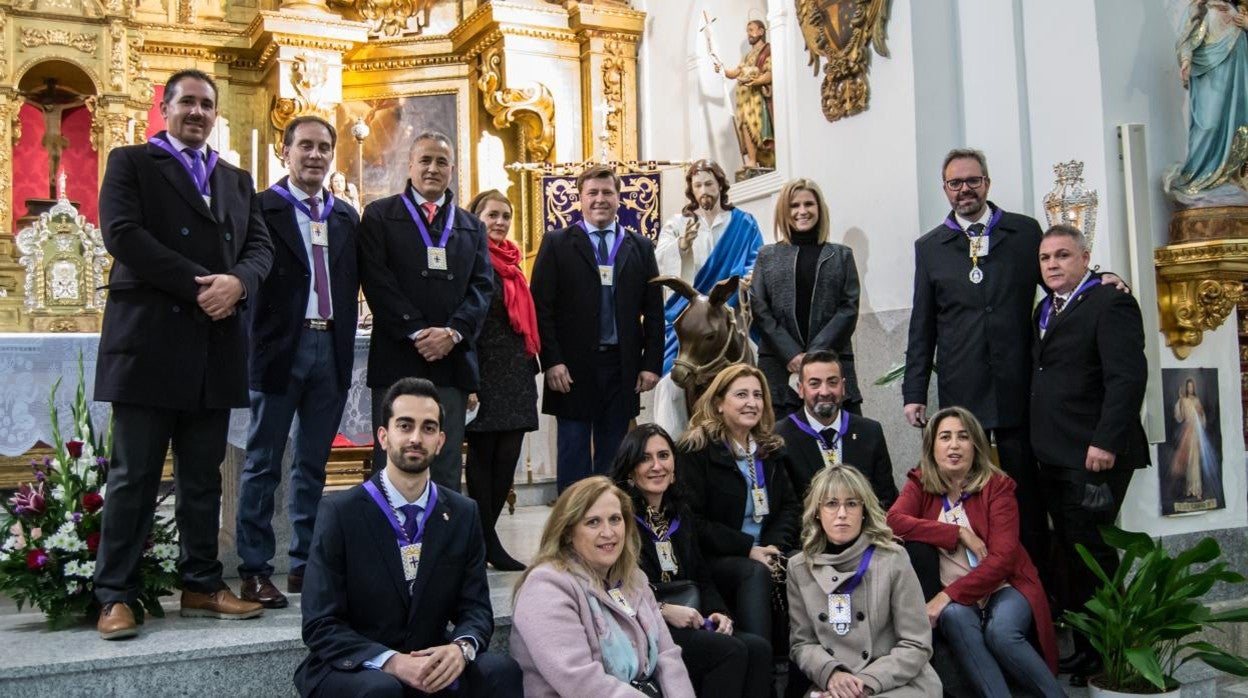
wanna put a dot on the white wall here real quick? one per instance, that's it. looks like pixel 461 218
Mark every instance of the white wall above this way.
pixel 1030 83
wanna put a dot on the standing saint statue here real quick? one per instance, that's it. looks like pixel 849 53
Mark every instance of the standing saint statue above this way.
pixel 753 98
pixel 1213 63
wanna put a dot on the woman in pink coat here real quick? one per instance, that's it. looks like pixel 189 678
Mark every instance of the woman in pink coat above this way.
pixel 585 622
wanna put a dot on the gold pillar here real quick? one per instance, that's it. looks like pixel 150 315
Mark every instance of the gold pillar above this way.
pixel 1201 274
pixel 608 37
pixel 12 276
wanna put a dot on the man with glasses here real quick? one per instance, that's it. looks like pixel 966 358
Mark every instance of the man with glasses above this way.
pixel 975 282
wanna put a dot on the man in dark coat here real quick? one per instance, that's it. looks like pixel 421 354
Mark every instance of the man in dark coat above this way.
pixel 823 434
pixel 601 324
pixel 1087 388
pixel 975 281
pixel 425 269
pixel 189 246
pixel 396 600
pixel 302 346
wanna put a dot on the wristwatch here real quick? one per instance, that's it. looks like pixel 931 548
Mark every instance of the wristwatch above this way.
pixel 468 649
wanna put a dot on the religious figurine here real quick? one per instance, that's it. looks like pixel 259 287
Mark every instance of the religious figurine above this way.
pixel 1213 64
pixel 53 100
pixel 753 98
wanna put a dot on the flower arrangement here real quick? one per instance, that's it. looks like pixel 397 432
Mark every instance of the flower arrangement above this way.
pixel 51 528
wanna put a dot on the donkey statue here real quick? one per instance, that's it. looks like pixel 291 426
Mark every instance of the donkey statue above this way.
pixel 712 334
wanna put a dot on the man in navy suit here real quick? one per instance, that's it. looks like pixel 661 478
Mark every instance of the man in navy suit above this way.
pixel 427 275
pixel 601 324
pixel 395 562
pixel 190 248
pixel 302 333
pixel 823 433
pixel 1087 387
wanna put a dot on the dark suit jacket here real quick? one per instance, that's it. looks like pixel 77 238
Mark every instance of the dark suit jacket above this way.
pixel 406 296
pixel 157 348
pixel 833 313
pixel 980 332
pixel 863 447
pixel 1089 379
pixel 278 309
pixel 567 293
pixel 718 493
pixel 356 603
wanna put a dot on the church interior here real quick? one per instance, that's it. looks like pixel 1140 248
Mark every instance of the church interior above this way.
pixel 1079 105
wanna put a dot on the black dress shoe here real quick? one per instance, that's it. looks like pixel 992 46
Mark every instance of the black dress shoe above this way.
pixel 1083 662
pixel 503 562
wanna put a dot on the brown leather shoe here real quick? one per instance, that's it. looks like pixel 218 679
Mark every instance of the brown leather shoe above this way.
pixel 222 604
pixel 116 622
pixel 294 583
pixel 261 590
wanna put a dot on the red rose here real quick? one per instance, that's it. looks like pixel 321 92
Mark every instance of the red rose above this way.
pixel 93 542
pixel 74 448
pixel 92 501
pixel 36 559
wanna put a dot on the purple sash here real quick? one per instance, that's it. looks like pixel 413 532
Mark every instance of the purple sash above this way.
pixel 424 230
pixel 302 207
pixel 384 505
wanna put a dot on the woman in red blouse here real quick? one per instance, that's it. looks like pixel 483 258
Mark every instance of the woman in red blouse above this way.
pixel 990 600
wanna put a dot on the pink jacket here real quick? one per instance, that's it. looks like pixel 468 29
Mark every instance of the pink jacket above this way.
pixel 557 636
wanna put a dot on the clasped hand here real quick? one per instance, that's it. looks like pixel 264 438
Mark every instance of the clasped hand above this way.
pixel 428 670
pixel 218 294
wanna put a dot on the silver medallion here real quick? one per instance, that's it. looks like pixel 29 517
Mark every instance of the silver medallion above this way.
pixel 977 275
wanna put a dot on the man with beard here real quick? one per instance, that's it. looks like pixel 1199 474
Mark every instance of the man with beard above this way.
pixel 823 434
pixel 755 127
pixel 303 345
pixel 394 562
pixel 426 272
pixel 189 247
pixel 601 323
pixel 975 281
pixel 708 241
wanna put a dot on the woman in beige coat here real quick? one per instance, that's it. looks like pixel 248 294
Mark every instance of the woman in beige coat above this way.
pixel 858 624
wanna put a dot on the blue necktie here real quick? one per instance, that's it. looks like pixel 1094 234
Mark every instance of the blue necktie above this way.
pixel 606 316
pixel 411 518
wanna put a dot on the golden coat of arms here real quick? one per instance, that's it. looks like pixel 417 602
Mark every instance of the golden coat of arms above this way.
pixel 843 32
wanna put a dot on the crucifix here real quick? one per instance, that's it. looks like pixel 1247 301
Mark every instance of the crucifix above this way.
pixel 52 100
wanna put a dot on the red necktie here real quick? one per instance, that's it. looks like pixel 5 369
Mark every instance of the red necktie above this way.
pixel 431 210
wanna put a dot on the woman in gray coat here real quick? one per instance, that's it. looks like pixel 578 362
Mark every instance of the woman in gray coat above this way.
pixel 804 295
pixel 858 624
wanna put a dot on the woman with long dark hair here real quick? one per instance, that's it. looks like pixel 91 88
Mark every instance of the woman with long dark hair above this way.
pixel 722 662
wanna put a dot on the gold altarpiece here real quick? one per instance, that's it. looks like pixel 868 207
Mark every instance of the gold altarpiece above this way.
pixel 531 81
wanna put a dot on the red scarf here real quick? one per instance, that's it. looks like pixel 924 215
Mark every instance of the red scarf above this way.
pixel 506 259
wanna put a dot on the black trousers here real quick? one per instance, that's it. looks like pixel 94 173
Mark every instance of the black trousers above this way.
pixel 489 472
pixel 491 675
pixel 1019 462
pixel 725 666
pixel 1064 490
pixel 747 587
pixel 141 438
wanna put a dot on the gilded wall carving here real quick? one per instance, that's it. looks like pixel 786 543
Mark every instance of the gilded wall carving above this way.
pixel 389 18
pixel 308 73
pixel 613 67
pixel 843 32
pixel 533 106
pixel 32 38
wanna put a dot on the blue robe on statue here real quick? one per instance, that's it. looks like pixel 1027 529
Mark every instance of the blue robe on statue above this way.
pixel 734 254
pixel 1217 145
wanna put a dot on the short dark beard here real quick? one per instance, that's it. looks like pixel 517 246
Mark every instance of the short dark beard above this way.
pixel 707 202
pixel 400 461
pixel 824 410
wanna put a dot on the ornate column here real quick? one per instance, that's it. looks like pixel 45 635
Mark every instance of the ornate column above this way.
pixel 1201 274
pixel 608 36
pixel 12 277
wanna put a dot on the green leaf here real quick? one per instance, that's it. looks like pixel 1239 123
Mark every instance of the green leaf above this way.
pixel 1145 661
pixel 1140 543
pixel 1092 563
pixel 1220 660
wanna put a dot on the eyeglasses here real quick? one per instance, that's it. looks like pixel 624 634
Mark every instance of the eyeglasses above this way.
pixel 972 182
pixel 850 505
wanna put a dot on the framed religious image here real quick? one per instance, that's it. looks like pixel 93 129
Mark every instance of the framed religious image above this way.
pixel 1190 460
pixel 393 122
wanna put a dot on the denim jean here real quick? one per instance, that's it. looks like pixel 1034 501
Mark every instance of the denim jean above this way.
pixel 984 641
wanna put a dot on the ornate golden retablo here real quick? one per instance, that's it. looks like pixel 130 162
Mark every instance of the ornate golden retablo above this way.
pixel 842 32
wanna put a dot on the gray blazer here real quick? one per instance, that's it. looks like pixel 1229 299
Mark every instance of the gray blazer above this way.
pixel 833 314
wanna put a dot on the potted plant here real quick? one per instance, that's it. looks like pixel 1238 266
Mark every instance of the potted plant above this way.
pixel 1140 620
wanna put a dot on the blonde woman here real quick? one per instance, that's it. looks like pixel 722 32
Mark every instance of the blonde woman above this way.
pixel 855 605
pixel 989 601
pixel 585 622
pixel 736 475
pixel 805 295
